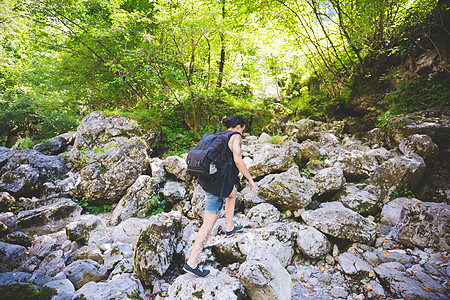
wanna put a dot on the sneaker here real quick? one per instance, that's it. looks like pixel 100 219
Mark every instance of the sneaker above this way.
pixel 199 271
pixel 235 229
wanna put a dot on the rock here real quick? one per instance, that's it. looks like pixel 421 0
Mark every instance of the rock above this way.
pixel 309 150
pixel 386 256
pixel 403 286
pixel 424 224
pixel 29 265
pixel 52 264
pixel 174 191
pixel 22 181
pixel 358 198
pixel 129 230
pixel 329 181
pixel 6 200
pixel 301 130
pixel 434 122
pixel 264 214
pixel 176 166
pixel 198 203
pixel 342 223
pixel 9 219
pixel 338 292
pixel 106 179
pixel 355 164
pixel 354 266
pixel 12 283
pixel 82 271
pixel 286 191
pixel 264 277
pixel 12 255
pixel 250 200
pixel 117 253
pixel 390 213
pixel 57 290
pixel 276 238
pixel 5 155
pixel 49 218
pixel 422 145
pixel 18 238
pixel 399 172
pixel 42 246
pixel 221 286
pixel 264 138
pixel 157 170
pixel 123 266
pixel 270 159
pixel 137 201
pixel 92 252
pixel 52 146
pixel 313 243
pixel 27 169
pixel 83 227
pixel 123 286
pixel 156 245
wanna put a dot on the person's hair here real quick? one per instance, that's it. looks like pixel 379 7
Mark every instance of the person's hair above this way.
pixel 233 121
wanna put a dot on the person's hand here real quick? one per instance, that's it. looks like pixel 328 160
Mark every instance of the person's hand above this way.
pixel 253 186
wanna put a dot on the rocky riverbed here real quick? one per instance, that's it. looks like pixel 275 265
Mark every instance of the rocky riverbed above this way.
pixel 339 214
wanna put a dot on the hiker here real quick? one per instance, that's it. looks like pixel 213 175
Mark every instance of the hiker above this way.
pixel 213 205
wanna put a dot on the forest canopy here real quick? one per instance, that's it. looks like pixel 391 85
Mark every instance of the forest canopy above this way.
pixel 179 67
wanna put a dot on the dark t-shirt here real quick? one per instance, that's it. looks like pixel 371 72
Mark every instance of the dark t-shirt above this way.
pixel 213 186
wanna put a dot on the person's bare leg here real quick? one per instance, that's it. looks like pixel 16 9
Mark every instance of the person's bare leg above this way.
pixel 202 237
pixel 229 209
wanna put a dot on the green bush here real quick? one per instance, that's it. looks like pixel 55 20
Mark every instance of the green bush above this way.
pixel 23 144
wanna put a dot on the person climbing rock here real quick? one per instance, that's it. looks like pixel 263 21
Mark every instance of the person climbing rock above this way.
pixel 222 187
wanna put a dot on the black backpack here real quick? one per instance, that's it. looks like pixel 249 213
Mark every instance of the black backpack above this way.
pixel 209 158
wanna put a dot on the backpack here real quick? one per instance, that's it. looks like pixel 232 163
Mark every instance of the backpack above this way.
pixel 209 158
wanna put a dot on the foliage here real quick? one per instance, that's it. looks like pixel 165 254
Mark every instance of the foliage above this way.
pixel 19 291
pixel 155 204
pixel 84 203
pixel 402 193
pixel 23 144
pixel 277 139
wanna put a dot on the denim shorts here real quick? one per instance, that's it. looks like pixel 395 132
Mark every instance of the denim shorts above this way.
pixel 213 204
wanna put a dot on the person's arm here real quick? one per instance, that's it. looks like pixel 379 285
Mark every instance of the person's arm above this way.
pixel 236 144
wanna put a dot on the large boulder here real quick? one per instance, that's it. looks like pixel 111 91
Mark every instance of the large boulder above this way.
pixel 390 214
pixel 409 287
pixel 12 255
pixel 5 155
pixel 123 286
pixel 288 190
pixel 275 238
pixel 264 214
pixel 26 170
pixel 434 122
pixel 50 218
pixel 156 246
pixel 174 191
pixel 358 198
pixel 355 164
pixel 220 286
pixel 6 201
pixel 272 159
pixel 177 167
pixel 129 230
pixel 137 201
pixel 52 146
pixel 309 150
pixel 420 144
pixel 82 271
pixel 313 243
pixel 42 246
pixel 52 264
pixel 58 290
pixel 300 130
pixel 399 172
pixel 329 181
pixel 198 203
pixel 85 229
pixel 341 223
pixel 117 253
pixel 264 277
pixel 424 224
